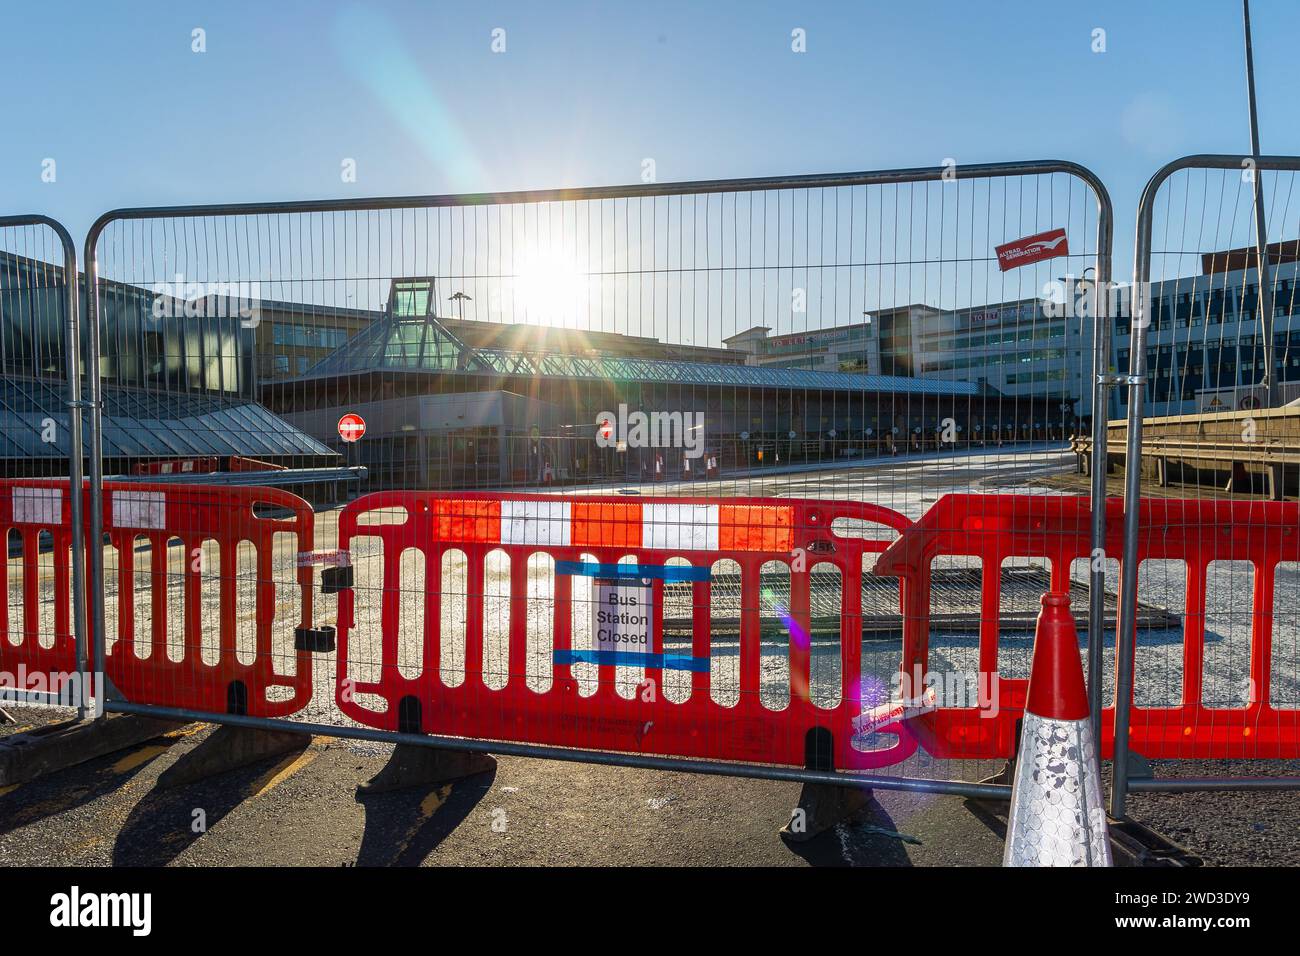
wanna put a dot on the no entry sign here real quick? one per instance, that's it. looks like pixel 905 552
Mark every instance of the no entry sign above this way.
pixel 351 427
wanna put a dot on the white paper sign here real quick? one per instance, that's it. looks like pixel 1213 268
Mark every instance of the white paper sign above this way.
pixel 140 509
pixel 620 615
pixel 38 506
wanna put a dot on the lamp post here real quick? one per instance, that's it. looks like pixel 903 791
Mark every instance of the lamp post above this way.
pixel 460 298
pixel 1265 297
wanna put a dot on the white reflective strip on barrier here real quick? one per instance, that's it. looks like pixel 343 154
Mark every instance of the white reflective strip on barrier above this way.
pixel 536 522
pixel 43 506
pixel 334 557
pixel 140 509
pixel 679 527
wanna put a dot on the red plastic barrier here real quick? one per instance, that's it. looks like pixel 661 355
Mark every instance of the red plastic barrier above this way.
pixel 748 531
pixel 240 463
pixel 181 466
pixel 215 678
pixel 183 674
pixel 31 655
pixel 995 527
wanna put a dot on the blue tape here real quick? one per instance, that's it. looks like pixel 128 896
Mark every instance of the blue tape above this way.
pixel 668 662
pixel 658 572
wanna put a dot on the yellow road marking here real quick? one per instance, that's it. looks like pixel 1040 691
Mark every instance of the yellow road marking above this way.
pixel 9 789
pixel 432 802
pixel 185 731
pixel 141 756
pixel 428 807
pixel 281 772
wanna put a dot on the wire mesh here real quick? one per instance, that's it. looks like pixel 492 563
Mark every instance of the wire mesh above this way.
pixel 1217 339
pixel 42 629
pixel 830 339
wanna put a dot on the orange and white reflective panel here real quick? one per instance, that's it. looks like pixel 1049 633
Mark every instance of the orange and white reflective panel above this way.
pixel 673 526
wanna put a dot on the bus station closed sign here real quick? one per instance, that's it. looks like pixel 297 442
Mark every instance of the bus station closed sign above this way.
pixel 621 613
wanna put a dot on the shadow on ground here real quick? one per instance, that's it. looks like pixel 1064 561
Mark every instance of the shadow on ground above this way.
pixel 76 786
pixel 167 822
pixel 404 826
pixel 866 839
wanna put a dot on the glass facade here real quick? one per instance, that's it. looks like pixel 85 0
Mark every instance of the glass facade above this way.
pixel 147 340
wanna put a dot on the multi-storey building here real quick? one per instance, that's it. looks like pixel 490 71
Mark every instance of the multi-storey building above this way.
pixel 1205 339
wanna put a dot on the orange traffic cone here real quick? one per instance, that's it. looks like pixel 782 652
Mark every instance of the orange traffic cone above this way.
pixel 1057 816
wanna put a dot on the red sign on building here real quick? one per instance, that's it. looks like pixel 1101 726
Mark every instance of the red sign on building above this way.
pixel 351 427
pixel 1031 249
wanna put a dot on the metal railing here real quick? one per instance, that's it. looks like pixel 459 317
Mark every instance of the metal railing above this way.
pixel 273 243
pixel 67 283
pixel 1221 222
pixel 297 231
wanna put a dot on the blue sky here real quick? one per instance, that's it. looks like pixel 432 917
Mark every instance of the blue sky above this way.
pixel 585 91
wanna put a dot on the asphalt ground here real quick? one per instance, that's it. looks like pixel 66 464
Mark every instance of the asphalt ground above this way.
pixel 302 808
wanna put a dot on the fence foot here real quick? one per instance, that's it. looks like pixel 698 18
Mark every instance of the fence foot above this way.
pixel 26 756
pixel 1139 767
pixel 228 748
pixel 821 807
pixel 1133 844
pixel 412 765
pixel 1007 775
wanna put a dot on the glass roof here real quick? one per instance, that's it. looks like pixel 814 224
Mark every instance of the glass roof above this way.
pixel 140 423
pixel 421 343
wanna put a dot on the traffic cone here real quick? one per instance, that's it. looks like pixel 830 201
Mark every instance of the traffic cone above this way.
pixel 1057 816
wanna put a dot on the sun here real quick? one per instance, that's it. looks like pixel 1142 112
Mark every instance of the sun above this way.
pixel 550 289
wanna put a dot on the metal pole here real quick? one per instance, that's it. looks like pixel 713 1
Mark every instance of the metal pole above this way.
pixel 1132 501
pixel 96 536
pixel 1211 784
pixel 1265 299
pixel 961 788
pixel 76 451
pixel 888 177
pixel 1100 394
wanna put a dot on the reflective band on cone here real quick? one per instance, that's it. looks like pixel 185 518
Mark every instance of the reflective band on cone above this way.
pixel 1057 816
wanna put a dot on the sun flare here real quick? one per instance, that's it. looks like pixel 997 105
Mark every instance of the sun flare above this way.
pixel 550 289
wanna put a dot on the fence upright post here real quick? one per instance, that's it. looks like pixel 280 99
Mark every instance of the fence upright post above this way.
pixel 96 490
pixel 1126 639
pixel 72 346
pixel 1100 394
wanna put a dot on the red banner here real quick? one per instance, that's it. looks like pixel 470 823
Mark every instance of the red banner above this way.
pixel 1031 249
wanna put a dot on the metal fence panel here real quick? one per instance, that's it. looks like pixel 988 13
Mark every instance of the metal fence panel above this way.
pixel 1213 351
pixel 43 646
pixel 820 338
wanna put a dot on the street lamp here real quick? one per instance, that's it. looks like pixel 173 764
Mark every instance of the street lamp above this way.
pixel 460 298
